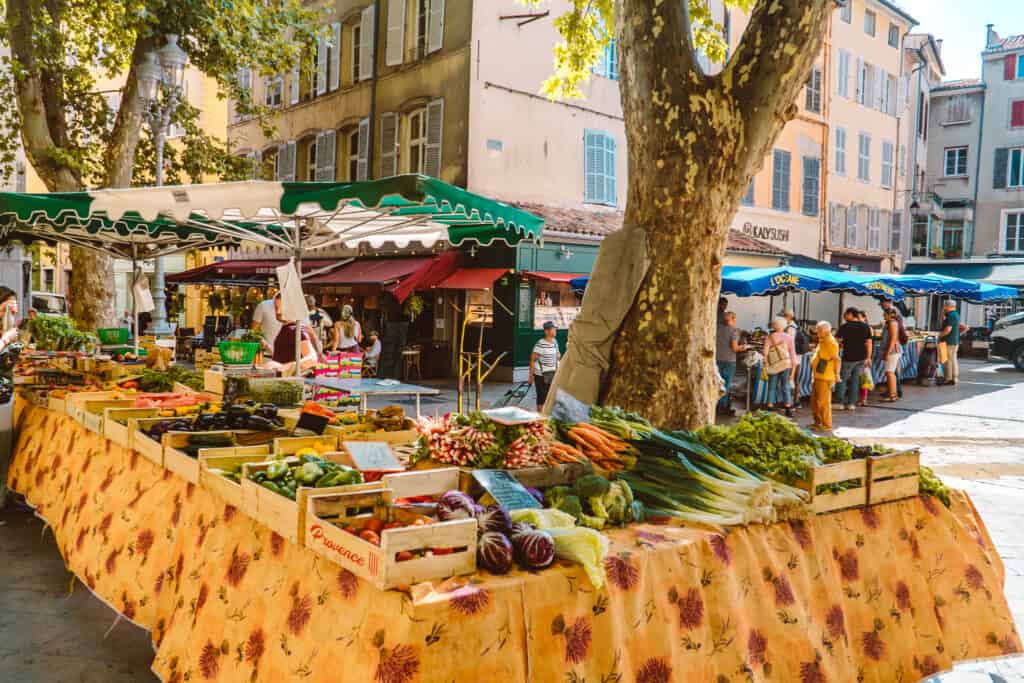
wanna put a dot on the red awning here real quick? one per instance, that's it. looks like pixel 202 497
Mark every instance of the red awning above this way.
pixel 372 271
pixel 244 270
pixel 439 268
pixel 472 278
pixel 554 277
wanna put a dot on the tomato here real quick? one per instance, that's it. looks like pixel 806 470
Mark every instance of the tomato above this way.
pixel 370 536
pixel 404 556
pixel 420 521
pixel 373 524
pixel 351 529
pixel 393 525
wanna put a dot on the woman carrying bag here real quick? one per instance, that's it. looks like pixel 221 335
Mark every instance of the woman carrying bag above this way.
pixel 780 364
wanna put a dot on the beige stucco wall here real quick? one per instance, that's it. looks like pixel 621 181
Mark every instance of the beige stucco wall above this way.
pixel 541 142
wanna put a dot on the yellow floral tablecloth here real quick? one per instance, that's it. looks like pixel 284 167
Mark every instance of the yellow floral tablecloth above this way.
pixel 889 593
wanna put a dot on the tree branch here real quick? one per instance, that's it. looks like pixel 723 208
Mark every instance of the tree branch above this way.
pixel 778 49
pixel 119 157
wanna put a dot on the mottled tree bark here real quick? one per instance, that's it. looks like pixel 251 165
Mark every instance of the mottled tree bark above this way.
pixel 694 142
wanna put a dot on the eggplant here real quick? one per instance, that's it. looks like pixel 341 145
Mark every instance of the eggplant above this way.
pixel 259 423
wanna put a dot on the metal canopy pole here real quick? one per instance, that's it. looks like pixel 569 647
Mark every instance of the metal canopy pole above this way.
pixel 298 270
pixel 135 300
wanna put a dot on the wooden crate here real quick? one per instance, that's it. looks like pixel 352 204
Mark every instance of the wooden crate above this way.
pixel 117 423
pixel 894 476
pixel 57 405
pixel 853 496
pixel 180 462
pixel 326 443
pixel 92 413
pixel 75 401
pixel 561 474
pixel 213 381
pixel 323 533
pixel 422 482
pixel 279 513
pixel 227 459
pixel 139 441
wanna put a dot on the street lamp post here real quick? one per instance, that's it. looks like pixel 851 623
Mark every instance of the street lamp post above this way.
pixel 161 80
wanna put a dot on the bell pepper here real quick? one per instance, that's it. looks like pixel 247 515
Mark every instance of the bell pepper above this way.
pixel 276 469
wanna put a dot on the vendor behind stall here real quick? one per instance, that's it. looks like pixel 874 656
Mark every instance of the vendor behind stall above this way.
pixel 265 321
pixel 283 359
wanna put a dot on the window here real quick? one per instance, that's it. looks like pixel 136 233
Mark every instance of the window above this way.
pixel 780 180
pixel 846 12
pixel 812 186
pixel 952 239
pixel 1014 232
pixel 352 152
pixel 864 157
pixel 888 160
pixel 958 109
pixel 869 22
pixel 956 161
pixel 1020 66
pixel 889 96
pixel 245 85
pixel 874 229
pixel 422 17
pixel 843 75
pixel 836 223
pixel 1017 114
pixel 417 141
pixel 357 39
pixel 812 92
pixel 310 170
pixel 894 35
pixel 896 232
pixel 1012 67
pixel 47 279
pixel 599 167
pixel 851 226
pixel 1009 168
pixel 273 90
pixel 919 236
pixel 841 151
pixel 748 196
pixel 608 63
pixel 429 27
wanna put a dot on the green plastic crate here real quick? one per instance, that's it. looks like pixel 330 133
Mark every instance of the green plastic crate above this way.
pixel 113 335
pixel 238 353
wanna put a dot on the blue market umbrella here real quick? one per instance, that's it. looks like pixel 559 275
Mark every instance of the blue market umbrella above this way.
pixel 771 281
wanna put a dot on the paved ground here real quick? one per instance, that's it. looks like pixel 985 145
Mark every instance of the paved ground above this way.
pixel 973 435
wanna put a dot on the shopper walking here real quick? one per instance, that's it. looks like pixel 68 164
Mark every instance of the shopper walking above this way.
pixel 855 339
pixel 347 333
pixel 826 371
pixel 726 347
pixel 892 352
pixel 780 364
pixel 950 336
pixel 544 363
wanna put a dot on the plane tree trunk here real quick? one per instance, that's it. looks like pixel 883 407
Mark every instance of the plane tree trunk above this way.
pixel 694 141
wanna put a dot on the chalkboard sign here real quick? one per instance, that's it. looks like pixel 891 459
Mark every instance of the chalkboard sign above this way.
pixel 372 456
pixel 504 488
pixel 313 423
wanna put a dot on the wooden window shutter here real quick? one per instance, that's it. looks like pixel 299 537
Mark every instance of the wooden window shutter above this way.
pixel 435 26
pixel 293 86
pixel 388 143
pixel 334 77
pixel 320 84
pixel 435 133
pixel 326 149
pixel 362 161
pixel 1009 67
pixel 396 33
pixel 366 36
pixel 609 170
pixel 860 81
pixel 1017 114
pixel 999 170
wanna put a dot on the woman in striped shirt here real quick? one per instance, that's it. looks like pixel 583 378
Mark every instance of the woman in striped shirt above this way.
pixel 544 363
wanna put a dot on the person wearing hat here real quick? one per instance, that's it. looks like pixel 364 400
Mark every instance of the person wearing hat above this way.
pixel 544 363
pixel 950 335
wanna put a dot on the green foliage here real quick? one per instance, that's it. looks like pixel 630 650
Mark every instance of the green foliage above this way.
pixel 587 29
pixel 71 48
pixel 57 333
pixel 163 380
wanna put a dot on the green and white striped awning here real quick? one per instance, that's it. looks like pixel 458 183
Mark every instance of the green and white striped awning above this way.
pixel 400 211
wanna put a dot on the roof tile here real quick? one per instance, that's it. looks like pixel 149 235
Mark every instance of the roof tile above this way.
pixel 602 222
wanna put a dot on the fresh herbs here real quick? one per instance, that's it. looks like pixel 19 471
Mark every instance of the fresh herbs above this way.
pixel 58 333
pixel 160 381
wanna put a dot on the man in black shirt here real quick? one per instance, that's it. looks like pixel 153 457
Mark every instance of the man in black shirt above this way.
pixel 855 338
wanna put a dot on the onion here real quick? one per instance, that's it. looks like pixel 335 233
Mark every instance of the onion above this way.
pixel 455 505
pixel 494 552
pixel 534 549
pixel 495 518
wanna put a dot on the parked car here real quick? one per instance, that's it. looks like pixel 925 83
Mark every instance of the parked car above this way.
pixel 46 303
pixel 1007 339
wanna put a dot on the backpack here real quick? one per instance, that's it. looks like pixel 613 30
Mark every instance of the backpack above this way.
pixel 801 343
pixel 904 337
pixel 777 359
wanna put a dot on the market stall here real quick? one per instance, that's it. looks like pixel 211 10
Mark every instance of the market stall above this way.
pixel 890 590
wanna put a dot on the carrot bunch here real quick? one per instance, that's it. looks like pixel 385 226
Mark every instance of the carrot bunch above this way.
pixel 559 452
pixel 599 446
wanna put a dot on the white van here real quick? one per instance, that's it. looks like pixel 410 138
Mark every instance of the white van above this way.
pixel 49 304
pixel 1007 339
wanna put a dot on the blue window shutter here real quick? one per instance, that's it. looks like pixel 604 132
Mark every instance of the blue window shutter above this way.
pixel 999 172
pixel 590 189
pixel 611 60
pixel 609 157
